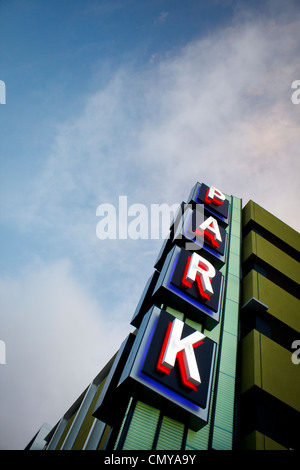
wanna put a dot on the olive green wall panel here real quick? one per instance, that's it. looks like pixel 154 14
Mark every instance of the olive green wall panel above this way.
pixel 250 374
pixel 258 441
pixel 271 223
pixel 270 254
pixel 281 304
pixel 280 376
pixel 268 365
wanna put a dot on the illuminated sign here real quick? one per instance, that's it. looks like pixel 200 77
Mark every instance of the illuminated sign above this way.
pixel 169 364
pixel 214 196
pixel 210 229
pixel 189 282
pixel 171 361
pixel 214 200
pixel 180 358
pixel 197 230
pixel 176 347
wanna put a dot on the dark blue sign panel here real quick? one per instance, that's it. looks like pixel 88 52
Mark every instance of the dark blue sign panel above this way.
pixel 163 341
pixel 213 199
pixel 190 283
pixel 176 377
pixel 197 230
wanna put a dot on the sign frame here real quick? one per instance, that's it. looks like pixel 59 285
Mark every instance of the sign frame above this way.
pixel 154 393
pixel 167 293
pixel 197 196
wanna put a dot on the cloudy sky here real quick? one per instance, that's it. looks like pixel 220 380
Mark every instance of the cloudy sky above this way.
pixel 135 98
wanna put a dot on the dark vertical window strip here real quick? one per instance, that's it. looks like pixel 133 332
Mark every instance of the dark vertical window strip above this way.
pixel 157 432
pixel 184 437
pixel 235 410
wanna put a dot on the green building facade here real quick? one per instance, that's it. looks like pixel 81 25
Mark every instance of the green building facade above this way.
pixel 253 402
pixel 269 377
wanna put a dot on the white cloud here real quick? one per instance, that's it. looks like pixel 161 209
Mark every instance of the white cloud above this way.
pixel 57 339
pixel 219 111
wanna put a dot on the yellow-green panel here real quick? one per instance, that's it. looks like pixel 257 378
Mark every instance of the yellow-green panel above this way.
pixel 235 245
pixel 251 362
pixel 280 376
pixel 270 254
pixel 213 334
pixel 249 287
pixel 171 435
pixel 269 366
pixel 228 354
pixel 262 217
pixel 282 305
pixel 176 313
pixel 231 317
pixel 273 445
pixel 235 228
pixel 234 264
pixel 258 441
pixel 248 213
pixel 249 246
pixel 222 439
pixel 193 324
pixel 253 441
pixel 198 440
pixel 277 258
pixel 225 402
pixel 233 287
pixel 142 428
pixel 236 204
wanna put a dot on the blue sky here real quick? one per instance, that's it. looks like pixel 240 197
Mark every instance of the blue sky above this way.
pixel 110 98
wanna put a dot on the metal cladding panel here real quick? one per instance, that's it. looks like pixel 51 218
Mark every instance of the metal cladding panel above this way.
pixel 197 440
pixel 223 424
pixel 255 215
pixel 171 435
pixel 143 427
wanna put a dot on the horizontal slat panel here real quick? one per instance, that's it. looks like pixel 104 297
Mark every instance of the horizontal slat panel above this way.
pixel 142 428
pixel 171 434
